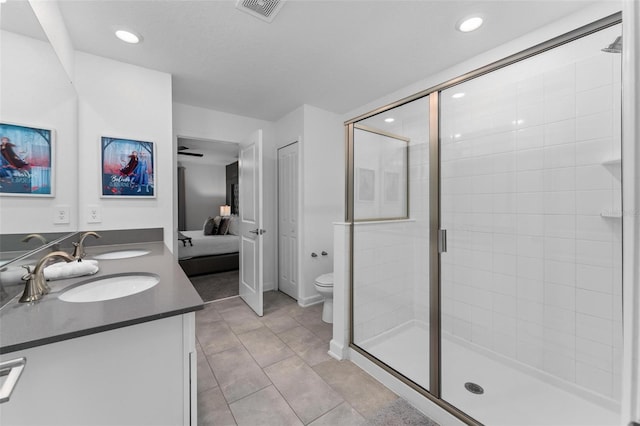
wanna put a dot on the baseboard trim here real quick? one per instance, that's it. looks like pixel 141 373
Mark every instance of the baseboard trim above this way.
pixel 336 350
pixel 308 301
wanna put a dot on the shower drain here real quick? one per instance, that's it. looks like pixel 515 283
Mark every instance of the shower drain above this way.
pixel 474 388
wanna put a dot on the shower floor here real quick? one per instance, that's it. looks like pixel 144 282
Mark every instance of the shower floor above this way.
pixel 511 397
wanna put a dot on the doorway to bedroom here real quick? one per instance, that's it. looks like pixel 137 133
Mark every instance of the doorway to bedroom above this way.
pixel 208 189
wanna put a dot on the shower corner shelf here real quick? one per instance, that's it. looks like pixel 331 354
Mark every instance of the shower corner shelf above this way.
pixel 612 162
pixel 611 215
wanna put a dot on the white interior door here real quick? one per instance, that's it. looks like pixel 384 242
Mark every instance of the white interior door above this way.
pixel 250 167
pixel 288 220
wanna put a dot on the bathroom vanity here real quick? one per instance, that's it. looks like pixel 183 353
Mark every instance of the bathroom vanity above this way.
pixel 127 360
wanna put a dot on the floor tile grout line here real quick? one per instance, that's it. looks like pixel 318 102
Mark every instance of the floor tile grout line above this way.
pixel 316 336
pixel 267 375
pixel 343 400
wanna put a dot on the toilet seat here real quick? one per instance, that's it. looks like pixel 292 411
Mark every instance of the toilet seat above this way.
pixel 325 280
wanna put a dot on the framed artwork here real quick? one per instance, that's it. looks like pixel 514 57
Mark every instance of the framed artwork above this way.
pixel 127 168
pixel 26 162
pixel 391 187
pixel 366 184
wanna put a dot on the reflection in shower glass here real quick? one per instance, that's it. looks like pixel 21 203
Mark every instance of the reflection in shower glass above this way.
pixel 391 255
pixel 381 180
pixel 531 282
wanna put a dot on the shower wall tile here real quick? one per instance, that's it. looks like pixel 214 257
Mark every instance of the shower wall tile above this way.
pixel 535 268
pixel 593 378
pixel 560 132
pixel 558 364
pixel 594 72
pixel 585 104
pixel 594 303
pixel 594 151
pixel 595 126
pixel 595 278
pixel 559 156
pixel 558 108
pixel 505 344
pixel 594 353
pixel 594 328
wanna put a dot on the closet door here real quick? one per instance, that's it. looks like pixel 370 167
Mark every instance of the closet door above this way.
pixel 288 220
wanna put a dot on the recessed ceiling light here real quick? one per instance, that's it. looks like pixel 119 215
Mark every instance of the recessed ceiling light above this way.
pixel 471 23
pixel 458 95
pixel 128 36
pixel 389 120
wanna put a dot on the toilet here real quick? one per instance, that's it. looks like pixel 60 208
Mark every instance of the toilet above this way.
pixel 324 286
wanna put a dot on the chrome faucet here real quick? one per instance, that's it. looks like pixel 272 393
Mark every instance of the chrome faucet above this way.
pixel 36 285
pixel 78 248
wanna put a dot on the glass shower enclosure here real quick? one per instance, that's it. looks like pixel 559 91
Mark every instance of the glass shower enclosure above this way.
pixel 486 239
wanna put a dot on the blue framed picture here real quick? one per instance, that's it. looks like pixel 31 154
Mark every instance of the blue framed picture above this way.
pixel 128 168
pixel 26 161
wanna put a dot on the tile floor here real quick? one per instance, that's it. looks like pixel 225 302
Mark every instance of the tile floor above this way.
pixel 275 371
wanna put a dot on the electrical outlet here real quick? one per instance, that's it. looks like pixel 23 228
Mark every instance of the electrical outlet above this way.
pixel 93 214
pixel 61 214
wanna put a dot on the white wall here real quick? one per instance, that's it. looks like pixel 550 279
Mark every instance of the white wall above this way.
pixel 323 191
pixel 202 123
pixel 35 91
pixel 321 151
pixel 121 100
pixel 205 192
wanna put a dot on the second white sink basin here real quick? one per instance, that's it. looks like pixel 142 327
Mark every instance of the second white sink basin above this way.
pixel 121 254
pixel 110 287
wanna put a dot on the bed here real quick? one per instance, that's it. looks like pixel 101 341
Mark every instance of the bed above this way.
pixel 208 254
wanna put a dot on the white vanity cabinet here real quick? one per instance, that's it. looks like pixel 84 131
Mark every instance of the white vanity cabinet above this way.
pixel 142 374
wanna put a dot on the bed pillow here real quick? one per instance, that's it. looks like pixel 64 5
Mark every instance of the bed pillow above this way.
pixel 223 228
pixel 233 225
pixel 211 225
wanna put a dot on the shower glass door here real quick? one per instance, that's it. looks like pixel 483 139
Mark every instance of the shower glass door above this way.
pixel 531 201
pixel 390 315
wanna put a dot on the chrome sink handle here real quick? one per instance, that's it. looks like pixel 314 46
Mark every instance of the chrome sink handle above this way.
pixel 78 248
pixel 36 285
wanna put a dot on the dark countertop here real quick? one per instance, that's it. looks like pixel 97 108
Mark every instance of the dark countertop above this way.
pixel 26 325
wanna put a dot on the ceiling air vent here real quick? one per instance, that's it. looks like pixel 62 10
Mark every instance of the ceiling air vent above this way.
pixel 262 9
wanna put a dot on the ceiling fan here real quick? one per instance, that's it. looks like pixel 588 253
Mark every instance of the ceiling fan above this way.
pixel 182 149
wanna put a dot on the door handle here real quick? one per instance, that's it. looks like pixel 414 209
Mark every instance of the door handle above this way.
pixel 259 231
pixel 12 369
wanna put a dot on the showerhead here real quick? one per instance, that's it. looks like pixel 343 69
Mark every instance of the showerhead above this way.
pixel 615 47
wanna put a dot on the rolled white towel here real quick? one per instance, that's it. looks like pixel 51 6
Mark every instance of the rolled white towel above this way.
pixel 63 270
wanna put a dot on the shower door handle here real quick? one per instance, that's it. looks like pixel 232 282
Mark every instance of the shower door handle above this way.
pixel 442 241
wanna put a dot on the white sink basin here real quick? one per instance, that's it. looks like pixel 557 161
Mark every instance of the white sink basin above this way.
pixel 110 287
pixel 122 254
